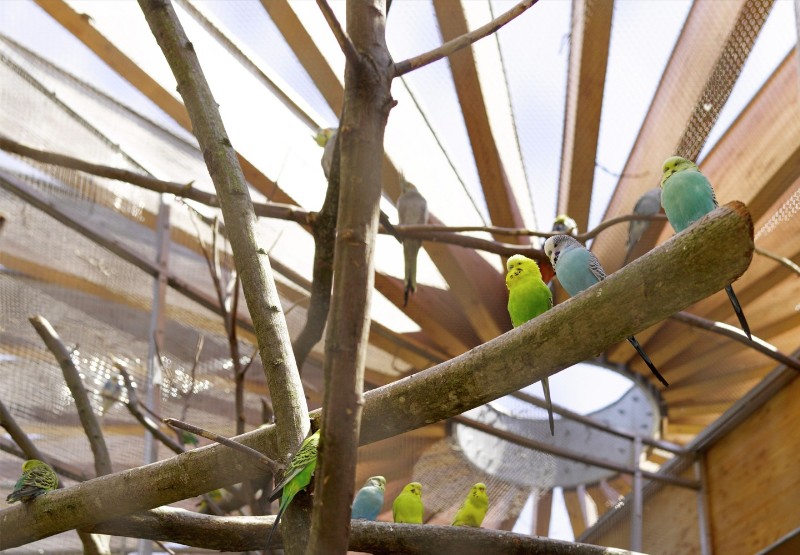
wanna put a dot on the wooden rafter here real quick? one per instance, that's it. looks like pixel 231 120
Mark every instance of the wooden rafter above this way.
pixel 500 200
pixel 588 59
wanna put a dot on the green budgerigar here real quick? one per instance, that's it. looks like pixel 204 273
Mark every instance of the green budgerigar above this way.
pixel 37 479
pixel 474 507
pixel 687 196
pixel 407 507
pixel 528 297
pixel 297 477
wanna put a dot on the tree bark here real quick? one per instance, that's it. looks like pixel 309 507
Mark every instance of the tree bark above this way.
pixel 687 268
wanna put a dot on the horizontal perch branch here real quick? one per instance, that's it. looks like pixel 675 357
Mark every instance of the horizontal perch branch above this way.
pixel 379 538
pixel 708 256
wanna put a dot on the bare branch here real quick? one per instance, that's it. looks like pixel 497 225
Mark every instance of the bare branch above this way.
pixel 736 334
pixel 463 41
pixel 94 433
pixel 344 41
pixel 780 259
pixel 266 461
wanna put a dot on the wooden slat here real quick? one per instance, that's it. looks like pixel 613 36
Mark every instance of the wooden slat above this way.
pixel 576 515
pixel 696 52
pixel 500 200
pixel 544 508
pixel 588 59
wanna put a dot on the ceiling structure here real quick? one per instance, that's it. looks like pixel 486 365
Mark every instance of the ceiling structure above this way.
pixel 474 133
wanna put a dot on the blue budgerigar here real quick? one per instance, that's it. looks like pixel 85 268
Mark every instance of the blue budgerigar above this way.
pixel 577 269
pixel 687 196
pixel 369 499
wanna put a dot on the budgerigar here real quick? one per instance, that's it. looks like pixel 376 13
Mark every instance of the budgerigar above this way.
pixel 577 269
pixel 528 297
pixel 407 507
pixel 687 196
pixel 566 225
pixel 412 208
pixel 474 507
pixel 37 479
pixel 369 499
pixel 112 390
pixel 297 477
pixel 326 138
pixel 648 204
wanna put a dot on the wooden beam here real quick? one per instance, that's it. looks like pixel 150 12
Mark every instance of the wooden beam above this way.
pixel 500 200
pixel 588 59
pixel 544 508
pixel 700 45
pixel 576 515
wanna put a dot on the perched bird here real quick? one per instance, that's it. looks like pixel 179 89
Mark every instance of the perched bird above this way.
pixel 37 479
pixel 412 208
pixel 528 297
pixel 297 477
pixel 648 204
pixel 577 269
pixel 566 225
pixel 407 507
pixel 326 138
pixel 215 496
pixel 687 196
pixel 474 507
pixel 369 499
pixel 112 390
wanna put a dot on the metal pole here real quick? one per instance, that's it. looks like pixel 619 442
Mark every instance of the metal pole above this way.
pixel 152 398
pixel 703 521
pixel 636 513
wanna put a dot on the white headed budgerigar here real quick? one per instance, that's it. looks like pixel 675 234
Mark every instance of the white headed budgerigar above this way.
pixel 566 225
pixel 412 208
pixel 577 269
pixel 37 479
pixel 687 196
pixel 474 508
pixel 369 499
pixel 407 507
pixel 528 297
pixel 297 477
pixel 648 204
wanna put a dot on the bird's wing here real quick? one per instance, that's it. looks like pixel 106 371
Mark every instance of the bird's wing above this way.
pixel 595 267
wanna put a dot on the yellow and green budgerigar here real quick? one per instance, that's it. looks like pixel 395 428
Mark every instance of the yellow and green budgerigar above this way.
pixel 37 479
pixel 407 507
pixel 687 196
pixel 474 507
pixel 297 477
pixel 528 297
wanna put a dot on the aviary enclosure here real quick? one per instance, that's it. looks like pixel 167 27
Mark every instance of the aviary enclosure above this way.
pixel 172 247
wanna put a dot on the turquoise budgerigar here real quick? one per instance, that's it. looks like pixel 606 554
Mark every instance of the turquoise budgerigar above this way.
pixel 407 507
pixel 566 225
pixel 369 499
pixel 37 479
pixel 528 297
pixel 412 208
pixel 687 196
pixel 648 204
pixel 297 477
pixel 577 269
pixel 474 508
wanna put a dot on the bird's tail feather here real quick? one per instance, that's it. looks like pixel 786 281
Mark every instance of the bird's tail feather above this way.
pixel 410 251
pixel 737 308
pixel 647 361
pixel 546 388
pixel 274 526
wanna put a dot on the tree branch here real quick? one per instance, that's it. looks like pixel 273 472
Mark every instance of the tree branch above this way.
pixel 736 334
pixel 379 538
pixel 347 46
pixel 240 220
pixel 463 41
pixel 708 255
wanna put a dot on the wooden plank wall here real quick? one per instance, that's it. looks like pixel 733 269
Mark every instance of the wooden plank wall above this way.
pixel 753 488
